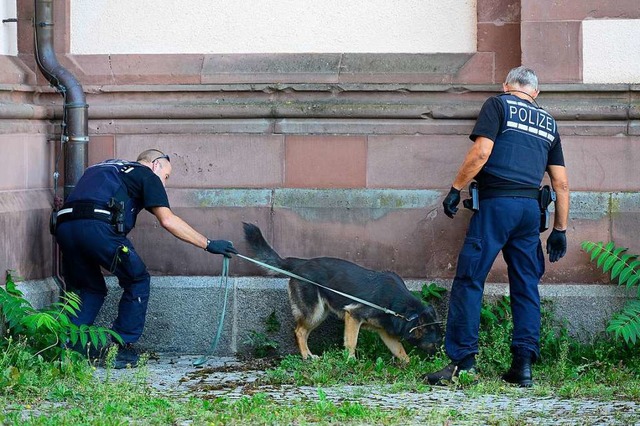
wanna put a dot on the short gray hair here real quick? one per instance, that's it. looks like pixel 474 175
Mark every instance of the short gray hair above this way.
pixel 522 76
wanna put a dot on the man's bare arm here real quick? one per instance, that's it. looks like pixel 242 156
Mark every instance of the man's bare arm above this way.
pixel 178 227
pixel 560 183
pixel 476 158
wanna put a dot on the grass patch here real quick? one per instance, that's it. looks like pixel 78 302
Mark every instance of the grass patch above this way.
pixel 603 370
pixel 37 391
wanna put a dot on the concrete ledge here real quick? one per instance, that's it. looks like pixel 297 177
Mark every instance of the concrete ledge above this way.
pixel 40 293
pixel 184 311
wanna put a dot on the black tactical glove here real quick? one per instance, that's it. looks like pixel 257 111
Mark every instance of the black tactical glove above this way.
pixel 222 247
pixel 451 202
pixel 556 245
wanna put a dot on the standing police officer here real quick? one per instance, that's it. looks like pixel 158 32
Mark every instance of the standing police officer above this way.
pixel 92 229
pixel 515 142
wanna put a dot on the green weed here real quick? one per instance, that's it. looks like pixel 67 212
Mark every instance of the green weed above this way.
pixel 46 331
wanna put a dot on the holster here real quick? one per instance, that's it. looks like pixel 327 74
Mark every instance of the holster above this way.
pixel 547 195
pixel 472 203
pixel 117 210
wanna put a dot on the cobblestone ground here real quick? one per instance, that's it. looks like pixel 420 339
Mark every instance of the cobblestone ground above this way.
pixel 232 379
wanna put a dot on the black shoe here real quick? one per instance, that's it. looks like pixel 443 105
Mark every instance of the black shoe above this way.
pixel 520 371
pixel 127 357
pixel 446 375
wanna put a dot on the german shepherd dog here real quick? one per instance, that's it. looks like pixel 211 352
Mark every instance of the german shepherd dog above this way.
pixel 312 304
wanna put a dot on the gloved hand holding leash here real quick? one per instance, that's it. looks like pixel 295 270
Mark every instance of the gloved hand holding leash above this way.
pixel 222 247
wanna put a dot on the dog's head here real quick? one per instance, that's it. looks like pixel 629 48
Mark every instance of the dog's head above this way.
pixel 424 331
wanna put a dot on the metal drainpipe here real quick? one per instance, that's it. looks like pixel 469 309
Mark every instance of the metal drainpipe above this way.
pixel 75 121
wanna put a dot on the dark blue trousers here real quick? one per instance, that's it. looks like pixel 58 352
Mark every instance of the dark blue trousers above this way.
pixel 510 225
pixel 89 244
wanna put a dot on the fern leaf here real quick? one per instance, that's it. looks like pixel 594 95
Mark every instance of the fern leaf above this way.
pixel 634 264
pixel 102 335
pixel 93 336
pixel 619 251
pixel 115 336
pixel 617 268
pixel 82 330
pixel 73 334
pixel 626 324
pixel 47 321
pixel 595 250
pixel 609 263
pixel 64 320
pixel 602 258
pixel 624 275
pixel 68 308
pixel 73 300
pixel 30 321
pixel 633 281
pixel 587 246
pixel 609 247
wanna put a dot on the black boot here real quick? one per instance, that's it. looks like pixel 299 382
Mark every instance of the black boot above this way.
pixel 520 371
pixel 127 357
pixel 446 375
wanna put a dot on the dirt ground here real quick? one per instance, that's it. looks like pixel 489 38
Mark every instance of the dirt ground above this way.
pixel 233 379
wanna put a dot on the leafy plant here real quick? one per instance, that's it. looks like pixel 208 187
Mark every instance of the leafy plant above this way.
pixel 494 336
pixel 497 312
pixel 45 330
pixel 261 343
pixel 625 269
pixel 432 292
pixel 272 325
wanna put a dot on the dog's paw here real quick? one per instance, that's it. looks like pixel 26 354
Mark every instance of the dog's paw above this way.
pixel 309 356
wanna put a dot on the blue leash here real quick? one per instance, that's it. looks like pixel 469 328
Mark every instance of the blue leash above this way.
pixel 224 279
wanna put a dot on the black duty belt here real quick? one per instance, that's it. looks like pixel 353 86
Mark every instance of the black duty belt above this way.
pixel 495 192
pixel 84 211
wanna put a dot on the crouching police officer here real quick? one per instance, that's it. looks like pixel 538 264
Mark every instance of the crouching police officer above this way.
pixel 515 142
pixel 92 229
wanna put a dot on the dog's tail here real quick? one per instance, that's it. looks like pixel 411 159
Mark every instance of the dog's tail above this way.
pixel 261 249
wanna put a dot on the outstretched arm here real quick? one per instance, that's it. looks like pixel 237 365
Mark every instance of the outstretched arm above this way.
pixel 178 227
pixel 182 230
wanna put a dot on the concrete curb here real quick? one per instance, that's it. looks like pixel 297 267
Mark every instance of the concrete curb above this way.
pixel 184 311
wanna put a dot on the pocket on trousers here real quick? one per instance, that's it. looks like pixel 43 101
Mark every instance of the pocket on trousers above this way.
pixel 128 265
pixel 469 257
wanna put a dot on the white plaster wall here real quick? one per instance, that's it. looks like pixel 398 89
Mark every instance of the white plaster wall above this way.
pixel 272 26
pixel 9 30
pixel 611 51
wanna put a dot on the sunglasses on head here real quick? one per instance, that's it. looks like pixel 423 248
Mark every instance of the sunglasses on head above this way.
pixel 165 156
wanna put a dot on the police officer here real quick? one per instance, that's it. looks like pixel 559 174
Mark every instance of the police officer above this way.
pixel 92 229
pixel 515 142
